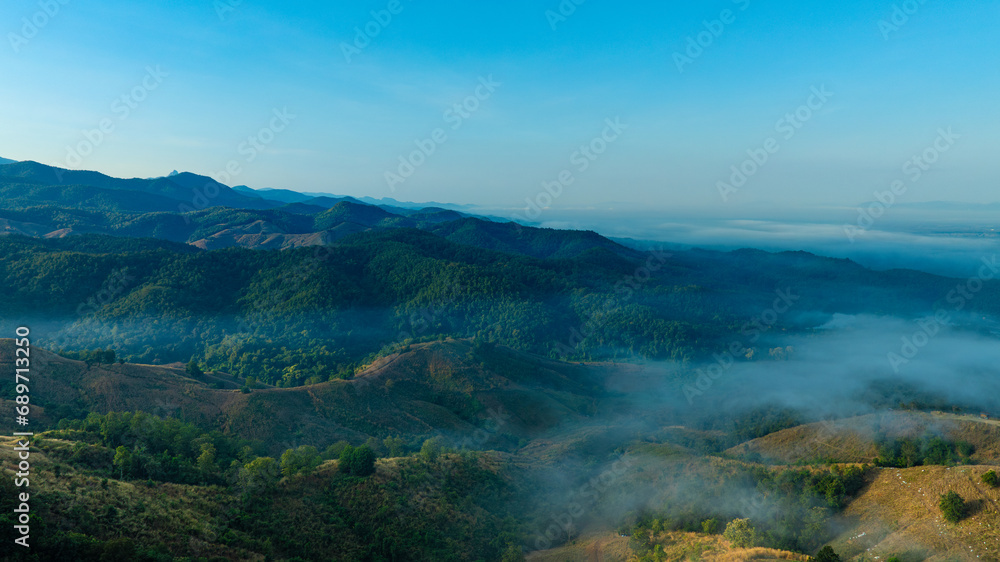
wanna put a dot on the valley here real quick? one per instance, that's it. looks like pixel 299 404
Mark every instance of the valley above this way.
pixel 424 384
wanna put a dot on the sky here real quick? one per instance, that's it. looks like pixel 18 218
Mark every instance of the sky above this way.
pixel 572 104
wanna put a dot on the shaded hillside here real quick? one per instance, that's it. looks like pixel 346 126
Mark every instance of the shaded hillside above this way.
pixel 443 388
pixel 307 314
pixel 402 510
pixel 535 242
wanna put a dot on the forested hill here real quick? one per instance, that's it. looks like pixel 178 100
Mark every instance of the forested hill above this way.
pixel 312 314
pixel 128 265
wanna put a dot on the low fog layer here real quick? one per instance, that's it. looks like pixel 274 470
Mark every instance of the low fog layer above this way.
pixel 828 373
pixel 919 237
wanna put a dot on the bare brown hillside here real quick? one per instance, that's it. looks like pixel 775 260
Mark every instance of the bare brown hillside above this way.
pixel 428 388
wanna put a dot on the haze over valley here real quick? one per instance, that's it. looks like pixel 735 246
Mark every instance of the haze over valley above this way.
pixel 581 281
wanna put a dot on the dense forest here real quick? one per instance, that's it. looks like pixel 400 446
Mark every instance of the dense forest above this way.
pixel 323 379
pixel 303 316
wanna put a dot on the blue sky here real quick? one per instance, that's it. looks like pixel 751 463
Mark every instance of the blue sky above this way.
pixel 218 81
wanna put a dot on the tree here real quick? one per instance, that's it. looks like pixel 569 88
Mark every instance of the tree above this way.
pixel 990 478
pixel 260 473
pixel 431 449
pixel 206 460
pixel 826 554
pixel 357 461
pixel 334 451
pixel 303 460
pixel 740 533
pixel 952 507
pixel 122 461
pixel 513 553
pixel 395 446
pixel 710 526
pixel 194 369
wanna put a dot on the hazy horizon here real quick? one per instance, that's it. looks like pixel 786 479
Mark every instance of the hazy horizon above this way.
pixel 499 101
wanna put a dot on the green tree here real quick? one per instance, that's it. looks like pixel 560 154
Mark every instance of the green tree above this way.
pixel 194 369
pixel 259 474
pixel 123 461
pixel 206 460
pixel 952 507
pixel 513 553
pixel 826 554
pixel 357 461
pixel 990 478
pixel 710 526
pixel 302 460
pixel 432 449
pixel 334 451
pixel 740 533
pixel 394 446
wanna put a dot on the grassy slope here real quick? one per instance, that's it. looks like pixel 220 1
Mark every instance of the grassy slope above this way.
pixel 315 514
pixel 436 386
pixel 852 440
pixel 676 546
pixel 898 514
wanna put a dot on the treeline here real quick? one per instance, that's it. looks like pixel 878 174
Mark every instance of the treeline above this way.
pixel 300 316
pixel 427 503
pixel 141 446
pixel 928 449
pixel 787 509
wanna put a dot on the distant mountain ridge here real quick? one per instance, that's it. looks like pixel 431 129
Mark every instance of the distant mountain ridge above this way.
pixel 42 201
pixel 183 188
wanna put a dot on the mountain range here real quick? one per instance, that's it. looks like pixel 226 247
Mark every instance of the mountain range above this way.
pixel 214 365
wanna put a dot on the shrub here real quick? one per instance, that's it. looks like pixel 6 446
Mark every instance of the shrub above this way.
pixel 357 461
pixel 826 554
pixel 990 479
pixel 952 507
pixel 431 449
pixel 334 451
pixel 194 369
pixel 303 460
pixel 741 533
